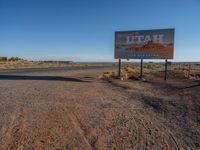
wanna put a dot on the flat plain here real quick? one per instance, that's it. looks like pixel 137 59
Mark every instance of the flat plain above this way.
pixel 62 109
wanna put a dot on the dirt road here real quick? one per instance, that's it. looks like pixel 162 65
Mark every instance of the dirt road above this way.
pixel 77 110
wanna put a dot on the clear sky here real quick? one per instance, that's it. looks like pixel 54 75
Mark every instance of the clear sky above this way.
pixel 83 30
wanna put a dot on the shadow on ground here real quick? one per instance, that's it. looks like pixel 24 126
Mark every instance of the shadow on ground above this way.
pixel 50 78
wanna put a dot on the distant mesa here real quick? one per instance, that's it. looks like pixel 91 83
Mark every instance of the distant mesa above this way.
pixel 3 59
pixel 17 59
pixel 8 59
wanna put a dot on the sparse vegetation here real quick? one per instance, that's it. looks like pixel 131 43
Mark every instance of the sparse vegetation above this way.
pixel 175 71
pixel 28 64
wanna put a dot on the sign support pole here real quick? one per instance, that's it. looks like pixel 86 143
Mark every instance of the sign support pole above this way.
pixel 119 69
pixel 189 71
pixel 165 69
pixel 141 69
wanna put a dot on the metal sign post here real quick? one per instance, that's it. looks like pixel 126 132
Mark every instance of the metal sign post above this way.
pixel 189 71
pixel 119 69
pixel 141 69
pixel 165 69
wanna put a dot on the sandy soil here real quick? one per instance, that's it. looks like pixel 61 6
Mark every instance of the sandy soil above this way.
pixel 77 110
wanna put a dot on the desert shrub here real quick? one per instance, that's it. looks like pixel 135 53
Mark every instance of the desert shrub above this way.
pixel 131 69
pixel 108 75
pixel 171 74
pixel 129 72
pixel 149 66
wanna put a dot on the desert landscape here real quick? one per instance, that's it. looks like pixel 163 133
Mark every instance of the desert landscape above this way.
pixel 99 75
pixel 91 108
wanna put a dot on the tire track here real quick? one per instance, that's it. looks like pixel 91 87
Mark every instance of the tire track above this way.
pixel 78 127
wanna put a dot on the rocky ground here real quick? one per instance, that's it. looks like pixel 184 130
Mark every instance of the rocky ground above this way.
pixel 77 110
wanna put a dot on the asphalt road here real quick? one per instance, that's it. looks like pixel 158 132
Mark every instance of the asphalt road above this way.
pixel 55 70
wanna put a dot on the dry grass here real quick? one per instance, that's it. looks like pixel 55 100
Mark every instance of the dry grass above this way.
pixel 25 64
pixel 129 72
pixel 154 70
pixel 108 75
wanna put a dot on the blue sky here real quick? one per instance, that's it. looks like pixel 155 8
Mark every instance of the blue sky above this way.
pixel 83 30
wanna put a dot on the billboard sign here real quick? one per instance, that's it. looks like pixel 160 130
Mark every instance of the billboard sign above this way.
pixel 144 44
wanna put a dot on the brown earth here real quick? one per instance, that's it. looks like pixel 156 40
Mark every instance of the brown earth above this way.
pixel 77 110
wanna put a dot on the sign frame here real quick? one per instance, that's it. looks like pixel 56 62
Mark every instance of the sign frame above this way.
pixel 145 44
